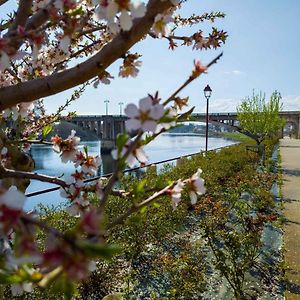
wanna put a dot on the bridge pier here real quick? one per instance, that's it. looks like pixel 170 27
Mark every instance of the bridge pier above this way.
pixel 112 126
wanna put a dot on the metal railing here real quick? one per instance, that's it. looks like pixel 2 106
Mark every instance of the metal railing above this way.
pixel 44 191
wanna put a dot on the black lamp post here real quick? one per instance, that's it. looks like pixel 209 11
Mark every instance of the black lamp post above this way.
pixel 207 93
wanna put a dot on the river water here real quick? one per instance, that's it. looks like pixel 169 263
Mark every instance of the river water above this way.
pixel 164 147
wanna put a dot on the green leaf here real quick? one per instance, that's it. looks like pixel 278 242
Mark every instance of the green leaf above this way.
pixel 156 205
pixel 143 210
pixel 121 140
pixel 86 150
pixel 97 250
pixel 134 220
pixel 140 187
pixel 9 279
pixel 187 115
pixel 46 130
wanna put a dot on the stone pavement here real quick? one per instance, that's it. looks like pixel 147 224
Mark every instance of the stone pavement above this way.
pixel 290 156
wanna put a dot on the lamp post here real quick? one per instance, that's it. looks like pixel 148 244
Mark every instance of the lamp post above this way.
pixel 106 108
pixel 121 103
pixel 207 93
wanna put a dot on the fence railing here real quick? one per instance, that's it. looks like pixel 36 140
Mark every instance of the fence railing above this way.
pixel 48 190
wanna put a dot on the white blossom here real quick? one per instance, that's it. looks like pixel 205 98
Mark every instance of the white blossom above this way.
pixel 13 198
pixel 138 154
pixel 18 289
pixel 160 26
pixel 64 44
pixel 4 61
pixel 176 193
pixel 145 116
pixel 196 186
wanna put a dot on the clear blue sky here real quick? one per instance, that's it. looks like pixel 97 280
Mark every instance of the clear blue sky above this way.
pixel 262 52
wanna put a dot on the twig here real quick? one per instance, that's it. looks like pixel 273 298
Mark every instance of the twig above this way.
pixel 33 142
pixel 190 79
pixel 135 208
pixel 114 176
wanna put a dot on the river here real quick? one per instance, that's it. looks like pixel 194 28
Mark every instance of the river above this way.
pixel 164 147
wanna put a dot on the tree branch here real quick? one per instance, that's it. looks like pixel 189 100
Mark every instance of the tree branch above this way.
pixel 9 173
pixel 3 2
pixel 21 17
pixel 53 84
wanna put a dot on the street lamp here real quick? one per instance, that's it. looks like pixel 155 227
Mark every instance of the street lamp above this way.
pixel 106 102
pixel 121 103
pixel 207 93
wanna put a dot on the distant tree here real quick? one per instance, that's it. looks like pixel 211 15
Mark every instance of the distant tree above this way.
pixel 260 119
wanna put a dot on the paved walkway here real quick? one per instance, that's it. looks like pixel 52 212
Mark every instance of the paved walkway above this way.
pixel 290 156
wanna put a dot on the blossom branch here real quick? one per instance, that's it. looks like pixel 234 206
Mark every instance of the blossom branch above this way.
pixel 52 84
pixel 114 176
pixel 9 173
pixel 190 79
pixel 21 17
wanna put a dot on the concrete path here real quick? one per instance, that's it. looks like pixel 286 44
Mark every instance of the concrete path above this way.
pixel 290 156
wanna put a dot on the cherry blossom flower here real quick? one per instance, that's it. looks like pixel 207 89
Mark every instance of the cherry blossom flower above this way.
pixel 13 198
pixel 89 164
pixel 76 179
pixel 175 193
pixel 91 221
pixel 171 115
pixel 66 148
pixel 130 69
pixel 196 186
pixel 137 154
pixel 18 289
pixel 127 11
pixel 64 44
pixel 11 208
pixel 22 110
pixel 198 69
pixel 144 117
pixel 4 61
pixel 160 26
pixel 104 78
pixel 74 263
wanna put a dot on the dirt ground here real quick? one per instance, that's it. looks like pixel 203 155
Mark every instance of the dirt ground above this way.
pixel 290 156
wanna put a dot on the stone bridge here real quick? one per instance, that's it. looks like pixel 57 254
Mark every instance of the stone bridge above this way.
pixel 107 127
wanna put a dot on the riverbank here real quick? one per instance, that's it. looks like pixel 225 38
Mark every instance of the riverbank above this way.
pixel 176 254
pixel 290 156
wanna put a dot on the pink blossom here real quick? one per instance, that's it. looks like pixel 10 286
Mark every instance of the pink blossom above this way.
pixel 11 208
pixel 66 148
pixel 91 221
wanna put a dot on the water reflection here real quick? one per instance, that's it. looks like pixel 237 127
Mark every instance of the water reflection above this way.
pixel 164 147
